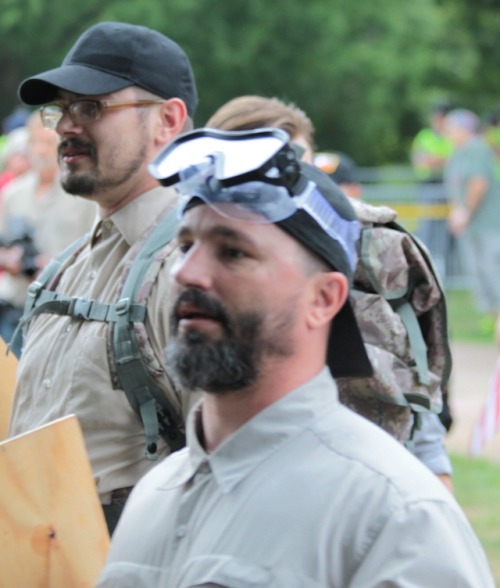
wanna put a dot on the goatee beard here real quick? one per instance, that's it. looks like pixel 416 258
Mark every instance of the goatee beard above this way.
pixel 71 181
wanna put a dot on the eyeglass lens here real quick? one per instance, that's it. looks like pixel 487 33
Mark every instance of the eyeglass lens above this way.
pixel 80 112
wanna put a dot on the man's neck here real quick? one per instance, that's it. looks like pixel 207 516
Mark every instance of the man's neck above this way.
pixel 223 414
pixel 108 206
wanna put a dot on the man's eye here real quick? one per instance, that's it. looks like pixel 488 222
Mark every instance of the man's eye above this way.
pixel 184 246
pixel 233 253
pixel 86 110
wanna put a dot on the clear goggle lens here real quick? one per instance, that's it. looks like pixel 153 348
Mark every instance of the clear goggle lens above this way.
pixel 236 154
pixel 263 203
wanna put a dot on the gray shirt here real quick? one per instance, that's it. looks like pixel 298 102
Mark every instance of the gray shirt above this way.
pixel 475 160
pixel 305 494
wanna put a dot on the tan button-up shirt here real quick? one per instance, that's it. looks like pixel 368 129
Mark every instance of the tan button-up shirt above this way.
pixel 64 367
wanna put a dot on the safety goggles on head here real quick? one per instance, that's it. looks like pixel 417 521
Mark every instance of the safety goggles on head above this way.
pixel 249 175
pixel 239 156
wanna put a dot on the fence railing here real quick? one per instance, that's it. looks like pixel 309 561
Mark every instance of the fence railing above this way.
pixel 397 187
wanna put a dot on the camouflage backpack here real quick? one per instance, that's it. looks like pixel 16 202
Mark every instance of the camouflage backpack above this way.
pixel 133 365
pixel 401 310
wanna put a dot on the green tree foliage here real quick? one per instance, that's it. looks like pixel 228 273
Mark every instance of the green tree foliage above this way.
pixel 365 72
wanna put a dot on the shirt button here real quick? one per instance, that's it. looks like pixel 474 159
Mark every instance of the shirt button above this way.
pixel 204 468
pixel 47 383
pixel 92 274
pixel 181 531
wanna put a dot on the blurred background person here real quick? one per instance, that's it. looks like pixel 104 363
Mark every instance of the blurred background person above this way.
pixel 471 184
pixel 342 169
pixel 37 221
pixel 250 112
pixel 14 158
pixel 17 118
pixel 430 151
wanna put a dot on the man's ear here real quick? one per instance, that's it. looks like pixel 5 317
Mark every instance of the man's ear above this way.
pixel 173 116
pixel 329 293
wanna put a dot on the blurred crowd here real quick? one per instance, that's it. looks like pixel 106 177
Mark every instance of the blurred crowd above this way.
pixel 37 217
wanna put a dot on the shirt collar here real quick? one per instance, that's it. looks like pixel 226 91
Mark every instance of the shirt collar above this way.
pixel 139 214
pixel 260 436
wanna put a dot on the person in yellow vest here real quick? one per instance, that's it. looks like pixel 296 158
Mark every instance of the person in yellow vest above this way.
pixel 430 151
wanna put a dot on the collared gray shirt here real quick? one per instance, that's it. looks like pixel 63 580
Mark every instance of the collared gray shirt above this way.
pixel 305 494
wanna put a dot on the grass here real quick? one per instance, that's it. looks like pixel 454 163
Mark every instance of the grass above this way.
pixel 466 323
pixel 477 483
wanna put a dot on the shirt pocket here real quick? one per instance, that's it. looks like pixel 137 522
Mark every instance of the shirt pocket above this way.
pixel 223 571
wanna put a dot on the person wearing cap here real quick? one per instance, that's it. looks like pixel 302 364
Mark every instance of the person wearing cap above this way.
pixel 280 484
pixel 474 191
pixel 121 94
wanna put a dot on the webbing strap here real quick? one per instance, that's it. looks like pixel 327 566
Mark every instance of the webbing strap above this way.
pixel 89 310
pixel 37 287
pixel 417 342
pixel 143 392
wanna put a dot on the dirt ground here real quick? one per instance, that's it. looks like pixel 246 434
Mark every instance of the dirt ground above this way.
pixel 473 367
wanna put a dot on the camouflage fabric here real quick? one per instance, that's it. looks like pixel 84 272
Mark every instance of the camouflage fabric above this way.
pixel 394 270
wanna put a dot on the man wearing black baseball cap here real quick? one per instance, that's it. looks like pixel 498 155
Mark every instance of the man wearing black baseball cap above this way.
pixel 279 485
pixel 122 93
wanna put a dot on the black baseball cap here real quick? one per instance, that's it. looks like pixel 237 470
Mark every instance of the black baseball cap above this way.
pixel 346 354
pixel 339 166
pixel 111 56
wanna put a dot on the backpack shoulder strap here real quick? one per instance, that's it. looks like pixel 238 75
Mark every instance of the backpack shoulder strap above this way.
pixel 39 293
pixel 145 395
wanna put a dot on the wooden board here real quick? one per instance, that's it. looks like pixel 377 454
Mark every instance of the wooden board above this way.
pixel 52 528
pixel 8 369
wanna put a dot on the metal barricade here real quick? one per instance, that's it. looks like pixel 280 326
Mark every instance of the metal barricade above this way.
pixel 423 210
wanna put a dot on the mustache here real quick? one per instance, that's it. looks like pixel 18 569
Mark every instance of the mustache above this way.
pixel 203 303
pixel 76 144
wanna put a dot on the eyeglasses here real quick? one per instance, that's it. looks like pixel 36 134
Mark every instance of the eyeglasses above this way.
pixel 82 112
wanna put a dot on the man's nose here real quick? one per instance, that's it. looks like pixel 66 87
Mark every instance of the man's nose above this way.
pixel 193 269
pixel 65 125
